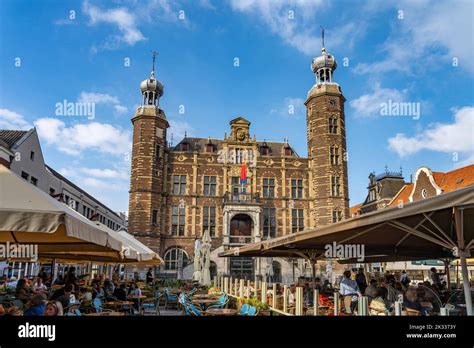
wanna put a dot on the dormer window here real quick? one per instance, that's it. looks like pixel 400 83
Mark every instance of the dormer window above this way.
pixel 209 147
pixel 185 146
pixel 265 149
pixel 287 151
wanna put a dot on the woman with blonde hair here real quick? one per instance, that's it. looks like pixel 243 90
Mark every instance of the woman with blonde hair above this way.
pixel 53 308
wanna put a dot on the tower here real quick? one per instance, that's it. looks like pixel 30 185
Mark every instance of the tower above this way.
pixel 326 132
pixel 148 164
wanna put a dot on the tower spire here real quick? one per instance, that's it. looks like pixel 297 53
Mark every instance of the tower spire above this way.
pixel 322 38
pixel 154 53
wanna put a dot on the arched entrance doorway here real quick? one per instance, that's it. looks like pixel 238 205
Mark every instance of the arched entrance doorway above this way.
pixel 241 226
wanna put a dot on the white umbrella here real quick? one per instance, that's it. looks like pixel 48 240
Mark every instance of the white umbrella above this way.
pixel 270 271
pixel 197 261
pixel 206 259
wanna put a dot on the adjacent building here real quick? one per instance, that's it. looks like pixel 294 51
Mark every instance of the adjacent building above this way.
pixel 21 152
pixel 389 190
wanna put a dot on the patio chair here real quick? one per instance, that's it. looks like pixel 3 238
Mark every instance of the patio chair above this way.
pixel 244 310
pixel 220 303
pixel 73 312
pixel 97 304
pixel 152 305
pixel 252 312
pixel 171 299
pixel 194 310
pixel 183 303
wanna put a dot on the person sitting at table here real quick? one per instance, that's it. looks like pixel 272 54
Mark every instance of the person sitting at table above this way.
pixel 327 287
pixel 120 292
pixel 87 295
pixel 116 276
pixel 43 275
pixel 97 290
pixel 411 299
pixel 380 304
pixel 134 293
pixel 371 290
pixel 349 290
pixel 39 287
pixel 12 282
pixel 317 284
pixel 95 280
pixel 70 277
pixel 59 280
pixel 65 298
pixel 108 288
pixel 22 292
pixel 14 311
pixel 292 295
pixel 36 306
pixel 53 308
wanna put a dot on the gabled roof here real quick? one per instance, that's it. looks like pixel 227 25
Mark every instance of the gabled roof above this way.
pixel 448 182
pixel 355 209
pixel 11 137
pixel 239 119
pixel 402 195
pixel 455 179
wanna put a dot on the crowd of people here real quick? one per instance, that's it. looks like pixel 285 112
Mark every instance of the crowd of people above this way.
pixel 42 296
pixel 422 298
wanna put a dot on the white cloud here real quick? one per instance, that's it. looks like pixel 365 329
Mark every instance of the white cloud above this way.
pixel 120 109
pixel 431 33
pixel 90 97
pixel 178 128
pixel 105 173
pixel 300 32
pixel 12 120
pixel 291 107
pixel 368 105
pixel 102 98
pixel 92 179
pixel 124 19
pixel 78 138
pixel 456 137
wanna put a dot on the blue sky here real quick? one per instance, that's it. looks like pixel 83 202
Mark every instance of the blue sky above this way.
pixel 404 51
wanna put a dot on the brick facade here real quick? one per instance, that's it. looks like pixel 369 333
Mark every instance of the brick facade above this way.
pixel 173 183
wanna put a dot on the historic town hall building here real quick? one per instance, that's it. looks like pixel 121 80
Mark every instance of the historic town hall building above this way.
pixel 178 192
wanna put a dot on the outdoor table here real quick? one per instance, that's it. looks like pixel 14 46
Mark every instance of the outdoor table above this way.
pixel 204 302
pixel 105 314
pixel 205 296
pixel 222 311
pixel 139 298
pixel 116 304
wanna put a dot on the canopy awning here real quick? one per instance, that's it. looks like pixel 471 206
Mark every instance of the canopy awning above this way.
pixel 30 216
pixel 420 230
pixel 437 227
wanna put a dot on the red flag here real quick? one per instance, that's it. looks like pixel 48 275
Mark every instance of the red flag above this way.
pixel 243 173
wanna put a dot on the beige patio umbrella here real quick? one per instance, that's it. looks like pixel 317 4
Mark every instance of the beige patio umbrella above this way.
pixel 437 227
pixel 145 254
pixel 30 216
pixel 197 261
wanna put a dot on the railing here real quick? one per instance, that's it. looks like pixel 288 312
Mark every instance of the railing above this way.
pixel 241 198
pixel 240 240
